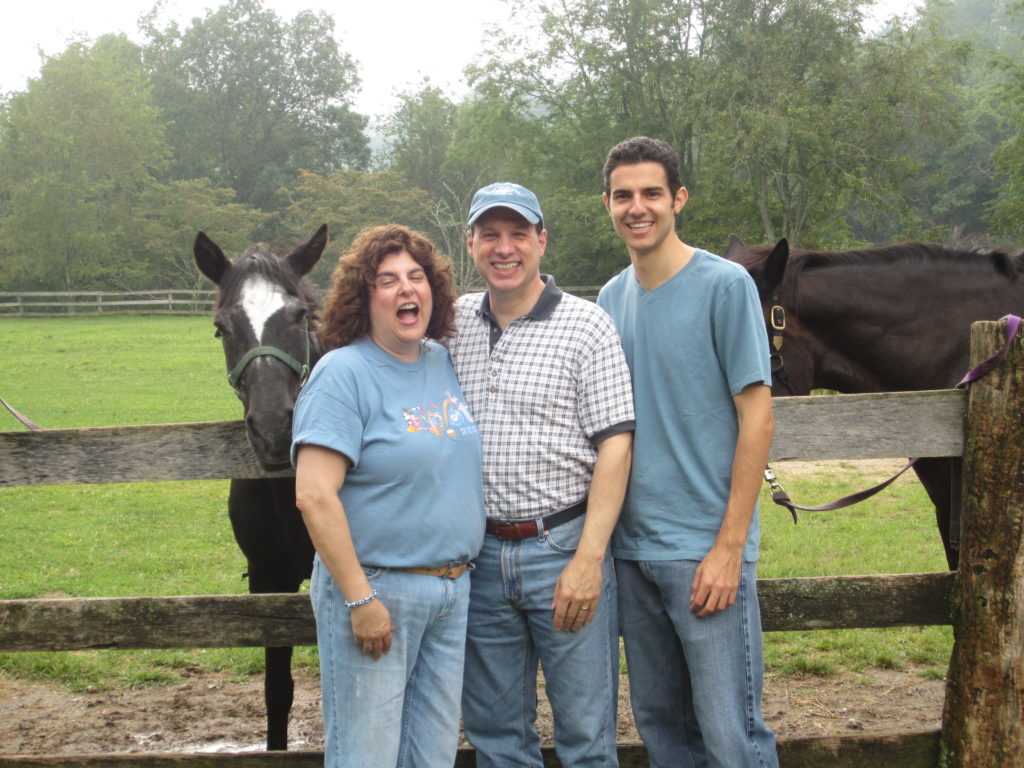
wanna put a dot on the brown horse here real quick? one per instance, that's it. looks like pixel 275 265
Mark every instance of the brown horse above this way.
pixel 884 319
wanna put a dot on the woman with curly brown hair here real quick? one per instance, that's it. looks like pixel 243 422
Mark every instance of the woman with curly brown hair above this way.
pixel 388 479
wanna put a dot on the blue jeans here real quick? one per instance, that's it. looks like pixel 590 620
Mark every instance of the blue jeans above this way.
pixel 402 710
pixel 695 683
pixel 511 627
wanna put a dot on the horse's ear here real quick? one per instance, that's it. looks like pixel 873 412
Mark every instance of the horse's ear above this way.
pixel 774 267
pixel 305 256
pixel 210 258
pixel 736 248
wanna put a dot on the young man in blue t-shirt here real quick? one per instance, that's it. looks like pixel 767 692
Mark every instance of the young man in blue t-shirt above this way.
pixel 686 545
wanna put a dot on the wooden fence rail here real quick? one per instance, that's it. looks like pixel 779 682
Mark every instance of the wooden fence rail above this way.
pixel 839 427
pixel 168 301
pixel 172 301
pixel 806 428
pixel 237 621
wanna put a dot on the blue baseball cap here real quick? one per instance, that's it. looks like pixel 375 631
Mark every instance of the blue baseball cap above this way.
pixel 505 194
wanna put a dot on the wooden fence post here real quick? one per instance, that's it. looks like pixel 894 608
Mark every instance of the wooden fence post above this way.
pixel 981 725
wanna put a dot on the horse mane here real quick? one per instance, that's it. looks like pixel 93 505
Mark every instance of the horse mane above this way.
pixel 258 260
pixel 1011 266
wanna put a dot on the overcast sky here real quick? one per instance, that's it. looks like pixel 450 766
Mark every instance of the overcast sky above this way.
pixel 385 37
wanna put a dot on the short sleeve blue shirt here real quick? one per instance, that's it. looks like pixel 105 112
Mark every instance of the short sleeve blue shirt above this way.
pixel 413 496
pixel 691 344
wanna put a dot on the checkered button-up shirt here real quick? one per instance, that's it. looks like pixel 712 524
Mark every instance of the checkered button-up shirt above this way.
pixel 543 393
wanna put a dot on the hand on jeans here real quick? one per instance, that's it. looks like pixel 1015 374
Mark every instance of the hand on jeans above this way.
pixel 371 628
pixel 576 594
pixel 716 582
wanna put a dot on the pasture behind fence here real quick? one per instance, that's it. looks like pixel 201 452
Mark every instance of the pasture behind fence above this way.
pixel 981 728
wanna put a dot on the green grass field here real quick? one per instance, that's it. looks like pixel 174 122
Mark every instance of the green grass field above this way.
pixel 175 539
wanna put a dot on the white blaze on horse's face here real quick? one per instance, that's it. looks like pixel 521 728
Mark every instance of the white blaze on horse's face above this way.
pixel 260 300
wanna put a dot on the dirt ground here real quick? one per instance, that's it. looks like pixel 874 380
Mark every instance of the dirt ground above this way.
pixel 209 712
pixel 213 713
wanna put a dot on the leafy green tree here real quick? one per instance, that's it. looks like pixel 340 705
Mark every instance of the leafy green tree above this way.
pixel 788 120
pixel 990 25
pixel 348 202
pixel 421 131
pixel 952 177
pixel 594 73
pixel 583 249
pixel 250 98
pixel 983 171
pixel 781 78
pixel 818 128
pixel 176 212
pixel 78 151
pixel 745 90
pixel 450 150
pixel 1007 207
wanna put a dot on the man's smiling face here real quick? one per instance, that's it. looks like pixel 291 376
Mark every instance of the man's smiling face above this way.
pixel 506 250
pixel 643 210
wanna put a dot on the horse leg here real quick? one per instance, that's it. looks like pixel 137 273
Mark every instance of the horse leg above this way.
pixel 252 507
pixel 941 478
pixel 278 692
pixel 278 685
pixel 292 565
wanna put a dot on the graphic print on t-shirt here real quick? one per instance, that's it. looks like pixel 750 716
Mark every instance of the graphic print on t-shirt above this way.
pixel 450 419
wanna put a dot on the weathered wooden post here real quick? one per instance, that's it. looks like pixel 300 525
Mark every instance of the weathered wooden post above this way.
pixel 982 722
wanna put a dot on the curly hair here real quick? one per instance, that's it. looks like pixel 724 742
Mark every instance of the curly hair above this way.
pixel 346 310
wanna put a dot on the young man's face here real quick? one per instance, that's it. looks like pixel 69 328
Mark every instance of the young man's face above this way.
pixel 506 250
pixel 643 210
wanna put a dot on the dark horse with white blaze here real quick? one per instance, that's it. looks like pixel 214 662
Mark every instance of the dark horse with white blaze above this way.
pixel 883 319
pixel 265 317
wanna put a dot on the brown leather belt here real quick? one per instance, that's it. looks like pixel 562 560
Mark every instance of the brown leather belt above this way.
pixel 446 571
pixel 522 529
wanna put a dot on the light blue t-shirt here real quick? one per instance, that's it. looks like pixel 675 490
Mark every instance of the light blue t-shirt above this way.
pixel 692 344
pixel 413 496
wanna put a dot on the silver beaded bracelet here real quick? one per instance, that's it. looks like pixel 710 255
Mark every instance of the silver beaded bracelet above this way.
pixel 364 601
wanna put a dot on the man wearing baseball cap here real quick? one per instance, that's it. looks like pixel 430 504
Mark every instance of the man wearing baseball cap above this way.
pixel 544 374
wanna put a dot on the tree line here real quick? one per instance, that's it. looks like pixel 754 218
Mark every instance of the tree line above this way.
pixel 791 118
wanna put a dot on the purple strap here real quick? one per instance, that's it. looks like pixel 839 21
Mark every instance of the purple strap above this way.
pixel 779 495
pixel 1012 324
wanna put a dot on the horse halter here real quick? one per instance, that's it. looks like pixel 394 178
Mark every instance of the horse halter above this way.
pixel 301 369
pixel 777 326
